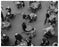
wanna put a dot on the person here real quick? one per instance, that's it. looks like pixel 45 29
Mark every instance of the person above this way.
pixel 54 7
pixel 56 10
pixel 49 32
pixel 18 37
pixel 47 16
pixel 8 9
pixel 17 42
pixel 29 41
pixel 23 43
pixel 52 22
pixel 32 17
pixel 5 39
pixel 20 4
pixel 28 30
pixel 24 26
pixel 6 25
pixel 52 19
pixel 56 4
pixel 45 42
pixel 25 16
pixel 9 15
pixel 31 32
pixel 34 6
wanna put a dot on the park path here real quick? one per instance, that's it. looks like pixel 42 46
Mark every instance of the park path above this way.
pixel 16 23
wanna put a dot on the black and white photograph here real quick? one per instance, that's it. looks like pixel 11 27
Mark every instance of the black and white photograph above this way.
pixel 29 23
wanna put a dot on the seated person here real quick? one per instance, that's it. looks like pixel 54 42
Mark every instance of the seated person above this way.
pixel 30 31
pixel 30 28
pixel 53 8
pixel 29 41
pixel 52 2
pixel 52 19
pixel 52 15
pixel 22 43
pixel 49 32
pixel 56 10
pixel 25 27
pixel 20 4
pixel 32 17
pixel 52 22
pixel 25 16
pixel 35 5
pixel 8 9
pixel 9 15
pixel 6 25
pixel 18 37
pixel 45 42
pixel 56 4
pixel 5 39
pixel 17 42
pixel 33 32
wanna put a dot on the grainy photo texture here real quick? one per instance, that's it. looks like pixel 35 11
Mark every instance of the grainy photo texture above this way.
pixel 29 23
